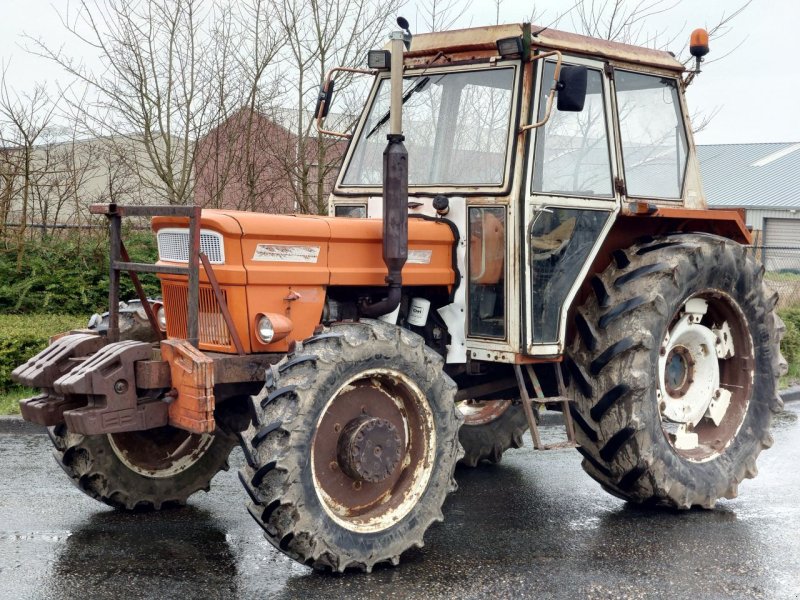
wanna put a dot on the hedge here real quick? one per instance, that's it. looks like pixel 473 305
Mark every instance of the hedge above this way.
pixel 22 336
pixel 68 275
pixel 790 346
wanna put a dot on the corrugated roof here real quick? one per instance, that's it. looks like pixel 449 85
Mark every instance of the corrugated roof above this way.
pixel 751 175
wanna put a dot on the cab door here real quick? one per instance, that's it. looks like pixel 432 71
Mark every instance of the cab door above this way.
pixel 571 203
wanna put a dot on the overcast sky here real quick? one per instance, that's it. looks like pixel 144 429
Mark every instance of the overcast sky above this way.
pixel 755 88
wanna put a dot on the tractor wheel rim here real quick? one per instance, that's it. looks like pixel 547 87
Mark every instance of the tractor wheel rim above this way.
pixel 481 412
pixel 373 450
pixel 159 453
pixel 704 375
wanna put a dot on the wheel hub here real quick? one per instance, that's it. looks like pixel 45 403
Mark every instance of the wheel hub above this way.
pixel 373 450
pixel 369 449
pixel 688 367
pixel 704 376
pixel 679 374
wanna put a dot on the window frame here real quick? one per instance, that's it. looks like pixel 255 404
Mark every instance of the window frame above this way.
pixel 534 201
pixel 679 104
pixel 500 189
pixel 608 114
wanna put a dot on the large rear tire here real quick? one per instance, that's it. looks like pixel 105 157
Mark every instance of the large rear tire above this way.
pixel 142 470
pixel 490 428
pixel 354 447
pixel 674 370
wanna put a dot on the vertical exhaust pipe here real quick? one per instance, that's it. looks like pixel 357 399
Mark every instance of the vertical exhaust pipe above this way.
pixel 395 191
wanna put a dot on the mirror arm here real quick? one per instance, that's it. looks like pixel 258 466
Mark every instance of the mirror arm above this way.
pixel 326 87
pixel 551 95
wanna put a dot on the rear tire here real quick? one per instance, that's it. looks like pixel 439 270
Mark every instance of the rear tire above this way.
pixel 305 494
pixel 488 437
pixel 628 408
pixel 142 470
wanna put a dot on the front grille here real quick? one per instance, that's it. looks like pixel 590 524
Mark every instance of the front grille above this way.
pixel 213 330
pixel 173 245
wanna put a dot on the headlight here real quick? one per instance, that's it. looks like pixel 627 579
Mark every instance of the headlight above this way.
pixel 161 317
pixel 265 329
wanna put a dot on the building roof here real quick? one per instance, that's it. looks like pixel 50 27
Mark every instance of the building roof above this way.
pixel 751 175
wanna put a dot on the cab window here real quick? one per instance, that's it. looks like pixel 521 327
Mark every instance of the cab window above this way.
pixel 652 133
pixel 487 253
pixel 572 154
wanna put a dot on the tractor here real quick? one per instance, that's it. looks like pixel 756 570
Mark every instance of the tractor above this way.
pixel 518 223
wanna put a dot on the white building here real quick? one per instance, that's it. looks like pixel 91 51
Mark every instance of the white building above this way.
pixel 764 179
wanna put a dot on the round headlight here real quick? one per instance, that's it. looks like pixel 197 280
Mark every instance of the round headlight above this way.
pixel 161 317
pixel 265 329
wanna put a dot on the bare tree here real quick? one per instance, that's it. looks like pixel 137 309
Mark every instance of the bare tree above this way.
pixel 441 15
pixel 232 153
pixel 321 34
pixel 160 85
pixel 24 117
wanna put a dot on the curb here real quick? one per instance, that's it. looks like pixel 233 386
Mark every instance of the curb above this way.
pixel 791 394
pixel 14 424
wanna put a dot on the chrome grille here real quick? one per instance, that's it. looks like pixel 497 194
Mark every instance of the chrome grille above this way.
pixel 213 330
pixel 173 246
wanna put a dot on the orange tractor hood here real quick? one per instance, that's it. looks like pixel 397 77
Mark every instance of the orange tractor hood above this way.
pixel 315 250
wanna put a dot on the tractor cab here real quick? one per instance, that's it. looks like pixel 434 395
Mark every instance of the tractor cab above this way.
pixel 531 142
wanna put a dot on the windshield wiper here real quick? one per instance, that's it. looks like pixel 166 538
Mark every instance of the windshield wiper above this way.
pixel 420 85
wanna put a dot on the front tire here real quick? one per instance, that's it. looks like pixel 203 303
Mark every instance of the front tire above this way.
pixel 354 447
pixel 142 470
pixel 674 371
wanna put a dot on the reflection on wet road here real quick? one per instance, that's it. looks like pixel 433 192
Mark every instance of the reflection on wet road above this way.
pixel 534 526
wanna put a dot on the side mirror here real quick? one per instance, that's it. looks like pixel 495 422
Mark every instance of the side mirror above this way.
pixel 324 100
pixel 572 88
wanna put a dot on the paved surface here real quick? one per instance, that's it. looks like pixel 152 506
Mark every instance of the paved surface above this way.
pixel 534 526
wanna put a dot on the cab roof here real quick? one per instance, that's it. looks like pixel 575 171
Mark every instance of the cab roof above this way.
pixel 480 43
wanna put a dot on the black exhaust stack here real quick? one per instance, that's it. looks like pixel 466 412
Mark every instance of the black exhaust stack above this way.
pixel 395 186
pixel 395 224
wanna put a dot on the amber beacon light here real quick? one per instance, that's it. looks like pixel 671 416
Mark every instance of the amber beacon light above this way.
pixel 698 46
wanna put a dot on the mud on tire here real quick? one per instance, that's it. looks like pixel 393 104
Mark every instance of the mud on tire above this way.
pixel 130 471
pixel 614 377
pixel 488 441
pixel 284 477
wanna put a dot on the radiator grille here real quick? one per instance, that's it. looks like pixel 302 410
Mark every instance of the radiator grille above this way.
pixel 213 329
pixel 173 245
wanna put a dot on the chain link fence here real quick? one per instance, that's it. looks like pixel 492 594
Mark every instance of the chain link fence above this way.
pixel 782 264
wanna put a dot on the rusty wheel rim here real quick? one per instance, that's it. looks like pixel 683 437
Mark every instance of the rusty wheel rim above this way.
pixel 481 412
pixel 373 450
pixel 704 375
pixel 159 453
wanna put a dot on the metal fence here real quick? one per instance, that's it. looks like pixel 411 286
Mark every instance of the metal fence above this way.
pixel 782 264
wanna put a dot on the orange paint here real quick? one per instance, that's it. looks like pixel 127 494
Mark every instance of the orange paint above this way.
pixel 283 264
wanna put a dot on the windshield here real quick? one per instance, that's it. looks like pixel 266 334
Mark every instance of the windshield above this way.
pixel 456 127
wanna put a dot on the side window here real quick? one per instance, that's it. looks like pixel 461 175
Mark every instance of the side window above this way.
pixel 487 252
pixel 354 211
pixel 652 133
pixel 572 155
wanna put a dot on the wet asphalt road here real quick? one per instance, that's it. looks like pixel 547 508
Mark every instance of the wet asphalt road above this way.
pixel 534 526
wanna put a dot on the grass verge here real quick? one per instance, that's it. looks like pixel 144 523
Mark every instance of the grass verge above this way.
pixel 9 400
